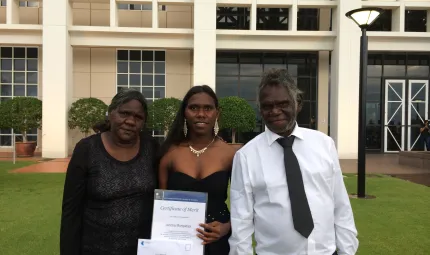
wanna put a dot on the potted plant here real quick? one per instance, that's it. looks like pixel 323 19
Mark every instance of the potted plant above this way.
pixel 22 114
pixel 162 112
pixel 85 113
pixel 237 115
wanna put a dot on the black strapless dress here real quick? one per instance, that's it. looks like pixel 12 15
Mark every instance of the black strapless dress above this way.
pixel 216 186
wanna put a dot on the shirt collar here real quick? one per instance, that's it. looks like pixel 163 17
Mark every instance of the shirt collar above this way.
pixel 272 137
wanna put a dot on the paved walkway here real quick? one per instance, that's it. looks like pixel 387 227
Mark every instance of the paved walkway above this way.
pixel 375 164
pixel 45 166
pixel 381 164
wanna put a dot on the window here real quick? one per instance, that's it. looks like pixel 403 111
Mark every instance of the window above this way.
pixel 22 3
pixel 145 71
pixel 308 19
pixel 19 77
pixel 383 66
pixel 383 23
pixel 272 18
pixel 140 7
pixel 238 74
pixel 416 20
pixel 233 18
pixel 28 4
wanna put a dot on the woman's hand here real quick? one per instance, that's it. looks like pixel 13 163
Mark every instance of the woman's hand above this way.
pixel 213 231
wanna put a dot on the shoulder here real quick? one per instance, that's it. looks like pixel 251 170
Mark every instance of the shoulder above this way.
pixel 83 148
pixel 170 153
pixel 227 148
pixel 250 147
pixel 85 143
pixel 317 139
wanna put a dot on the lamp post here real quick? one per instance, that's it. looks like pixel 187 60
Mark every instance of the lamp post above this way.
pixel 363 17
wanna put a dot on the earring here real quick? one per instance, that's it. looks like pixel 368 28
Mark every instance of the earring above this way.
pixel 185 128
pixel 216 127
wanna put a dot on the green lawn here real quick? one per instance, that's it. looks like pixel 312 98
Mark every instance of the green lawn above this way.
pixel 396 222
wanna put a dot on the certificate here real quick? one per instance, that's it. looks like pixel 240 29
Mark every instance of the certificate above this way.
pixel 156 247
pixel 177 215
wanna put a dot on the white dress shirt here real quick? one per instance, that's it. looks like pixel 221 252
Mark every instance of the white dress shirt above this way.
pixel 260 200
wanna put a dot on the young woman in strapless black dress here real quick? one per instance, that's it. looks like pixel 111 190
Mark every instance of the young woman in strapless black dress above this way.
pixel 194 158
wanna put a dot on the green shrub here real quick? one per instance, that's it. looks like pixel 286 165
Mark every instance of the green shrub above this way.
pixel 237 115
pixel 162 112
pixel 22 114
pixel 85 113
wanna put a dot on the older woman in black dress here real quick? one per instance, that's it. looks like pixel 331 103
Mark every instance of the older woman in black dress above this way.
pixel 109 185
pixel 194 158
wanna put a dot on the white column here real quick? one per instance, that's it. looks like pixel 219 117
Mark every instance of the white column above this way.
pixel 345 63
pixel 154 13
pixel 205 43
pixel 398 19
pixel 428 20
pixel 57 77
pixel 323 76
pixel 253 19
pixel 323 90
pixel 12 12
pixel 113 13
pixel 292 16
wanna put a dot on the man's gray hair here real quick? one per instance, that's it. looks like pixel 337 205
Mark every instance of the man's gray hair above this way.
pixel 279 77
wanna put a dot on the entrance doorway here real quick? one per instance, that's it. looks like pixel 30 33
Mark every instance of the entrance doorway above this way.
pixel 406 108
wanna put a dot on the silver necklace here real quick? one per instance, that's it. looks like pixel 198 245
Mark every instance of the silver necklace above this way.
pixel 198 152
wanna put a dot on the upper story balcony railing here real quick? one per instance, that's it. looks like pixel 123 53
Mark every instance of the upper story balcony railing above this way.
pixel 286 15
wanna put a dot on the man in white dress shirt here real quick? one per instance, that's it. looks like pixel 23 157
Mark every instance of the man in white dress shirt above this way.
pixel 287 186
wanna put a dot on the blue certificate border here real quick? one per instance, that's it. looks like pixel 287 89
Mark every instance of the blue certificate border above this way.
pixel 181 196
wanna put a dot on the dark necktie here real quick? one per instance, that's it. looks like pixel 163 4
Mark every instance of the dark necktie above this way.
pixel 302 217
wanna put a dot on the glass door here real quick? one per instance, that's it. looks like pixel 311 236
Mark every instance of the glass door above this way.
pixel 418 102
pixel 394 117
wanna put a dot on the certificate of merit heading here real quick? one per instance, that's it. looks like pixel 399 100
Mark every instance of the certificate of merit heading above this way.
pixel 177 215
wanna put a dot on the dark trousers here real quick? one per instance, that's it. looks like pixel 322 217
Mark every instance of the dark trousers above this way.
pixel 427 142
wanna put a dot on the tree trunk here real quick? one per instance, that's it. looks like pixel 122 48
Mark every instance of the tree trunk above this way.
pixel 24 136
pixel 233 135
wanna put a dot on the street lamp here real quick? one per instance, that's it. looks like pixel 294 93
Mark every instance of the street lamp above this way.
pixel 363 17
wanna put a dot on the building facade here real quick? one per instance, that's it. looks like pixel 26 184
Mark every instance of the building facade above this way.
pixel 60 51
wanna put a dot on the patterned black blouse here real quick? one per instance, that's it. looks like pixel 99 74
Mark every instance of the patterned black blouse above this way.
pixel 107 204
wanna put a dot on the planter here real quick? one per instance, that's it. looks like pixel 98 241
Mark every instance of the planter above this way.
pixel 25 149
pixel 236 146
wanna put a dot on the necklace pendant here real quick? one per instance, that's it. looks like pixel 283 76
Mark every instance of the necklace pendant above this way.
pixel 200 151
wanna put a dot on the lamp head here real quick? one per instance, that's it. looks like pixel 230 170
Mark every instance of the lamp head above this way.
pixel 364 17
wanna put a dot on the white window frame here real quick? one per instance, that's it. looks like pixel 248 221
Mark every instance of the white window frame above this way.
pixel 148 98
pixel 25 84
pixel 140 7
pixel 31 4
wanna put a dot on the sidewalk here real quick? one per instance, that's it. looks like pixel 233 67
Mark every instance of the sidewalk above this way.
pixel 375 164
pixel 44 166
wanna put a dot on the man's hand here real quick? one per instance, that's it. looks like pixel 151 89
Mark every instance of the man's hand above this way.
pixel 213 231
